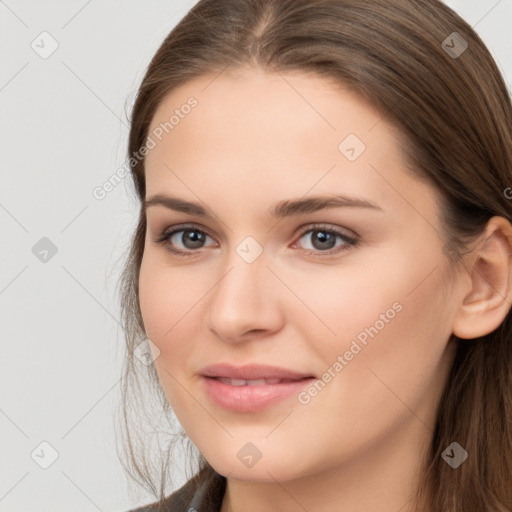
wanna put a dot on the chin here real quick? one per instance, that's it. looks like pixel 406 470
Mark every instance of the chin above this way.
pixel 277 467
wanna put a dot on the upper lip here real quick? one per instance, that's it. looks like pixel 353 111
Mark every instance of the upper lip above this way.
pixel 252 372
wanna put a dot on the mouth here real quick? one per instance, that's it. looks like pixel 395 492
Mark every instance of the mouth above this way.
pixel 253 372
pixel 251 388
pixel 254 382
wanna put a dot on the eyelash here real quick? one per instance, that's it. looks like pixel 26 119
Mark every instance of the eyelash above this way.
pixel 350 241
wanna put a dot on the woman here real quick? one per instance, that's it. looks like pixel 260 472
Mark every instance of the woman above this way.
pixel 321 267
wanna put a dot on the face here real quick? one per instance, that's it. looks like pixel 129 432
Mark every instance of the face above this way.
pixel 346 305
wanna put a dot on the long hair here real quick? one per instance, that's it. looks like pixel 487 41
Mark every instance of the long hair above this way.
pixel 429 74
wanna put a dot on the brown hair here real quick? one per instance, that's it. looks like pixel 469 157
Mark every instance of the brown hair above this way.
pixel 456 117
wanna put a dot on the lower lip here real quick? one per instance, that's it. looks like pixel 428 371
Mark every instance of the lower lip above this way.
pixel 251 398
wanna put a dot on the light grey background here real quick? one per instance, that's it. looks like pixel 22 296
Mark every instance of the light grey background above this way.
pixel 63 133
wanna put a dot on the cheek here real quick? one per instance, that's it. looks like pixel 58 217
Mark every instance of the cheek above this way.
pixel 166 304
pixel 172 302
pixel 153 302
pixel 165 296
pixel 394 318
pixel 338 307
pixel 392 343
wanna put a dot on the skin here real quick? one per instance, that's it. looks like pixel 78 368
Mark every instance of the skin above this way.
pixel 255 139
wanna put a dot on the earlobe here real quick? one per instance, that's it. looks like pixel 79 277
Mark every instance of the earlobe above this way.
pixel 485 306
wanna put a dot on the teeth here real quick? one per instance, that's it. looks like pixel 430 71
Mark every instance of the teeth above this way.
pixel 259 382
pixel 274 381
pixel 254 382
pixel 238 382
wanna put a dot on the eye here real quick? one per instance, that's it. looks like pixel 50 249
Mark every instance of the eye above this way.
pixel 189 236
pixel 324 239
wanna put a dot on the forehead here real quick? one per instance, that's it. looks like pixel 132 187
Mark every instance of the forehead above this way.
pixel 251 100
pixel 264 134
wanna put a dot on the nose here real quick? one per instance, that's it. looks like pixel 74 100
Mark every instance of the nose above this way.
pixel 244 303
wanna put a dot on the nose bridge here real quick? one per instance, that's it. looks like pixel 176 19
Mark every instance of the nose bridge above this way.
pixel 245 265
pixel 241 298
pixel 239 288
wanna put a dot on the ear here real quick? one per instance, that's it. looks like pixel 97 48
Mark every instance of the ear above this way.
pixel 486 305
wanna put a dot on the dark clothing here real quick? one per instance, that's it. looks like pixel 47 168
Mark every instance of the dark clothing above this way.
pixel 202 493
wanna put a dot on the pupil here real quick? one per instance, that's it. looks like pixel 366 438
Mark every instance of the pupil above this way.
pixel 195 238
pixel 324 239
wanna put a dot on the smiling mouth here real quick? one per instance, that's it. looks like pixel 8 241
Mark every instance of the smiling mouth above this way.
pixel 252 395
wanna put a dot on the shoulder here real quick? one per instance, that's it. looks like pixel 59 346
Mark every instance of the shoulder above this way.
pixel 204 492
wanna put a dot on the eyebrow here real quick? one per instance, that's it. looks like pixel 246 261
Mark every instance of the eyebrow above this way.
pixel 286 208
